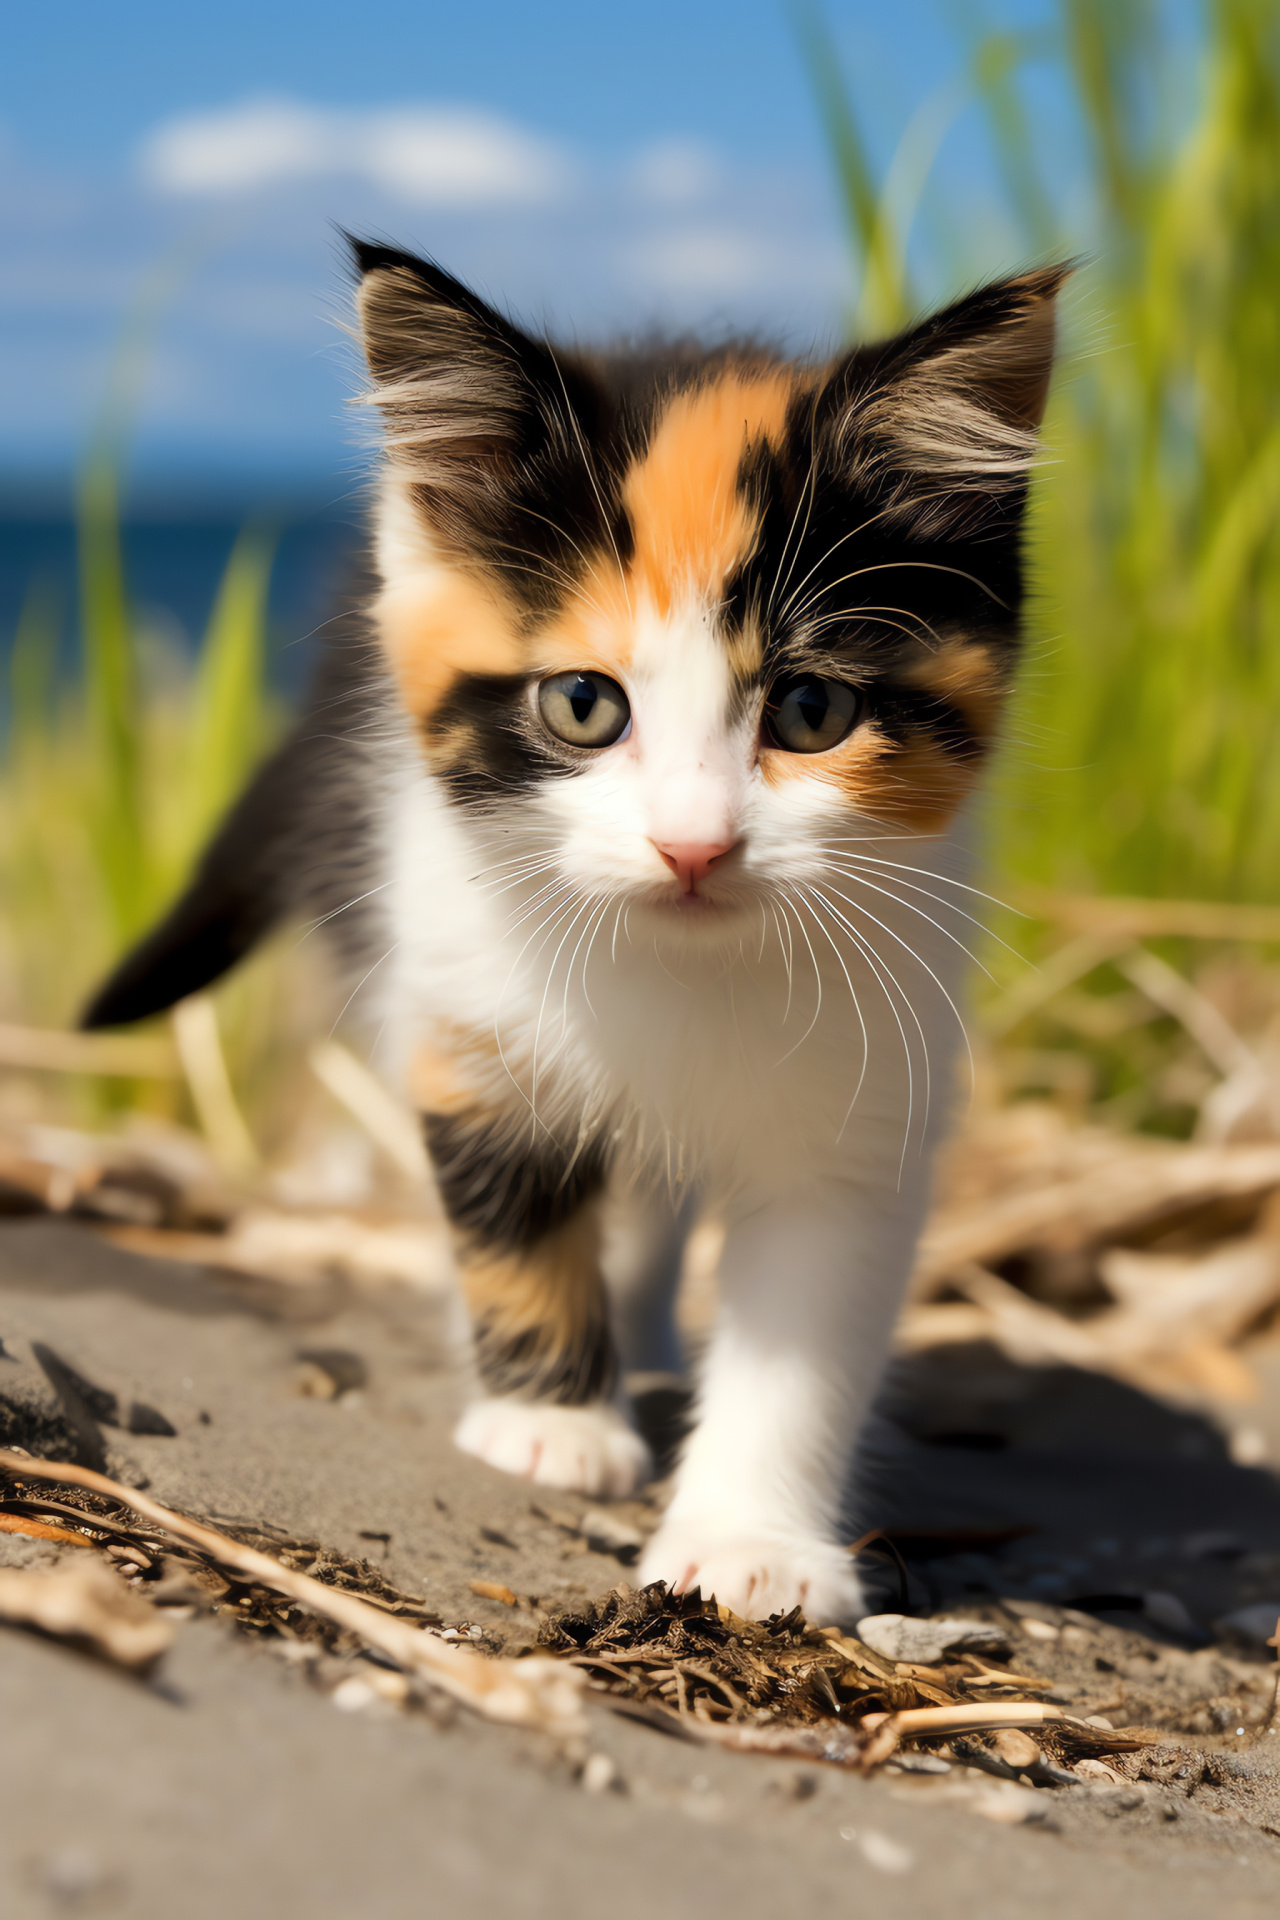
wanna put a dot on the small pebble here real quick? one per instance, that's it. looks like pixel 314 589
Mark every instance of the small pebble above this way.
pixel 73 1875
pixel 1256 1623
pixel 598 1774
pixel 896 1636
pixel 878 1850
pixel 1166 1610
pixel 353 1695
pixel 1015 1748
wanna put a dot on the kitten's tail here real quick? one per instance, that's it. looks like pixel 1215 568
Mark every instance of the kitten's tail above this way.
pixel 236 897
pixel 297 842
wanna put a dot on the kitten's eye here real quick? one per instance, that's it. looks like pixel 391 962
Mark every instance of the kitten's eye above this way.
pixel 584 709
pixel 808 714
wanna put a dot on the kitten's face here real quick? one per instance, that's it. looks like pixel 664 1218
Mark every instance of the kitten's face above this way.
pixel 685 632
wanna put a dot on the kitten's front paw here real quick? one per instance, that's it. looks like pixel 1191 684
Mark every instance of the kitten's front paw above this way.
pixel 757 1573
pixel 585 1449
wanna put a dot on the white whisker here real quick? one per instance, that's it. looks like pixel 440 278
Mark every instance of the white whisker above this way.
pixel 817 975
pixel 921 962
pixel 886 977
pixel 853 995
pixel 542 1005
pixel 335 911
pixel 586 958
pixel 360 983
pixel 787 953
pixel 849 873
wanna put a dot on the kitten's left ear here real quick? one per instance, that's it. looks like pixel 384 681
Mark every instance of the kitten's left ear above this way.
pixel 949 414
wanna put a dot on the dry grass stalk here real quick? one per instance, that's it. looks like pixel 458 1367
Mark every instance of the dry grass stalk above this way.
pixel 303 1249
pixel 535 1692
pixel 1137 1182
pixel 199 1044
pixel 48 1050
pixel 1122 917
pixel 936 1721
pixel 40 1530
pixel 389 1123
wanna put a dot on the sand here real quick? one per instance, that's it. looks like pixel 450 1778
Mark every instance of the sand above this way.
pixel 230 1781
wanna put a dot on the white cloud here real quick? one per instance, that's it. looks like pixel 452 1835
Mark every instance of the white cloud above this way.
pixel 675 172
pixel 701 260
pixel 436 156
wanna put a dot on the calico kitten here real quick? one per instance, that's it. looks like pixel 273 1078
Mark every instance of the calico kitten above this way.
pixel 637 792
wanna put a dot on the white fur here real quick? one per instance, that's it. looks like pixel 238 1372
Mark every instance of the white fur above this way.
pixel 590 1449
pixel 757 1052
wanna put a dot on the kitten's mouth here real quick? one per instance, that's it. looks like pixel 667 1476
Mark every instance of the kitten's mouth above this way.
pixel 692 907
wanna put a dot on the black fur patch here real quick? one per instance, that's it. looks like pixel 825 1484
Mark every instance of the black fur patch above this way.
pixel 536 1368
pixel 484 745
pixel 507 1200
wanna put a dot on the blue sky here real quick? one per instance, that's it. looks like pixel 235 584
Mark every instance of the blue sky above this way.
pixel 594 167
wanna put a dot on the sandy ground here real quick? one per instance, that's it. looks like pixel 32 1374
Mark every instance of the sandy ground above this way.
pixel 231 1782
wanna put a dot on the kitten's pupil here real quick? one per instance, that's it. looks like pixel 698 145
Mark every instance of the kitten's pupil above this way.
pixel 582 700
pixel 812 702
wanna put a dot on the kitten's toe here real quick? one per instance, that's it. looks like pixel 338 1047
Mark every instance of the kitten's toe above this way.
pixel 584 1449
pixel 757 1574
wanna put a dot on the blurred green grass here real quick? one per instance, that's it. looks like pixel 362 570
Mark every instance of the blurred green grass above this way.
pixel 1139 756
pixel 111 780
pixel 1141 753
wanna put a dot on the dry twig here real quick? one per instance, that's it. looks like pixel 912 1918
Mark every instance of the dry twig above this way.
pixel 535 1692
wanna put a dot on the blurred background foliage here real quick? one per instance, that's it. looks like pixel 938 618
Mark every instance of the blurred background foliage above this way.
pixel 1140 759
pixel 1140 756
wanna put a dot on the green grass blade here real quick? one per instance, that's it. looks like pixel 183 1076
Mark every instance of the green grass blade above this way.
pixel 886 299
pixel 230 705
pixel 33 666
pixel 111 694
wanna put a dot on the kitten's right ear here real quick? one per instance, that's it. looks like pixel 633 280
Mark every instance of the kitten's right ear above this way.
pixel 466 398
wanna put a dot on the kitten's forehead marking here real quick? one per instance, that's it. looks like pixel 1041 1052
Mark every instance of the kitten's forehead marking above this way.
pixel 692 527
pixel 692 530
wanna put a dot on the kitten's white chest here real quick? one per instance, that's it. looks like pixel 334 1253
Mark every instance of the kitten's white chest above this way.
pixel 802 1050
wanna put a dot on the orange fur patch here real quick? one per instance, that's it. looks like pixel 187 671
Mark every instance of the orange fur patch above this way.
pixel 552 1292
pixel 916 787
pixel 451 1072
pixel 437 625
pixel 692 527
pixel 692 531
pixel 968 675
pixel 920 786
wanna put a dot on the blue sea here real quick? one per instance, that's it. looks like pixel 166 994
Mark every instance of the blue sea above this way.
pixel 173 563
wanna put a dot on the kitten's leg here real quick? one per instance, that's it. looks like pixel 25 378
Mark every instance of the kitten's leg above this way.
pixel 810 1286
pixel 527 1233
pixel 643 1236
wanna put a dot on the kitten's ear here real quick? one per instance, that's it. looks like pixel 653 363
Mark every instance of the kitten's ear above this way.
pixel 466 398
pixel 945 419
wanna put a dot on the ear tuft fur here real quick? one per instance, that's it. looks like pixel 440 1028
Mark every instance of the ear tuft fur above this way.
pixel 447 376
pixel 949 414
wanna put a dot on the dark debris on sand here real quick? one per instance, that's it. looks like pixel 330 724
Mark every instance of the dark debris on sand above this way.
pixel 686 1657
pixel 780 1686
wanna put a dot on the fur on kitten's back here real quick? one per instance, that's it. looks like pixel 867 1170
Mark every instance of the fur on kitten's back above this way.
pixel 636 792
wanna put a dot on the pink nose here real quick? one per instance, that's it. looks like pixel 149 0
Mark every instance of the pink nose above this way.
pixel 691 864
